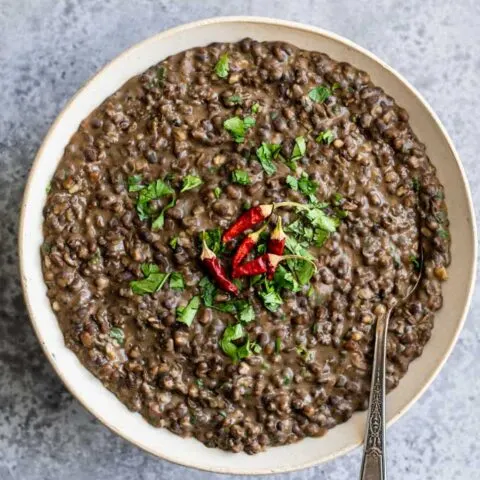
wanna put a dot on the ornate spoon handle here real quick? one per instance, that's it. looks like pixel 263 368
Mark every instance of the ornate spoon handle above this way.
pixel 373 464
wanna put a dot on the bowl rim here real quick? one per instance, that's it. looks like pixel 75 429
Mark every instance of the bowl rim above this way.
pixel 165 34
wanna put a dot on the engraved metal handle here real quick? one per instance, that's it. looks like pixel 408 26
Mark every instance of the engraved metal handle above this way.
pixel 373 464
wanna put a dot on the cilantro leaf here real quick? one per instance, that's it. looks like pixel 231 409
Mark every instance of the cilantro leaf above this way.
pixel 255 108
pixel 320 219
pixel 213 239
pixel 319 93
pixel 307 186
pixel 241 308
pixel 135 183
pixel 187 314
pixel 208 291
pixel 153 282
pixel 222 66
pixel 148 268
pixel 265 154
pixel 241 177
pixel 299 149
pixel 176 281
pixel 285 279
pixel 217 192
pixel 326 137
pixel 270 297
pixel 292 182
pixel 189 182
pixel 173 242
pixel 152 191
pixel 238 127
pixel 230 334
pixel 160 220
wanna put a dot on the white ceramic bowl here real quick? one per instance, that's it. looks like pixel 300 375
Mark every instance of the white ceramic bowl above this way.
pixel 103 404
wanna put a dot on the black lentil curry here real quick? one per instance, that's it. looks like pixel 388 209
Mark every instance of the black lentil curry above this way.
pixel 170 162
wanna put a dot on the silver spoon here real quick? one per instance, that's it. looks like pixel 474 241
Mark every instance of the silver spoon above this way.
pixel 373 463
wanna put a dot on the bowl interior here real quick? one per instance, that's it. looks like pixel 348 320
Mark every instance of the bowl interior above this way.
pixel 98 399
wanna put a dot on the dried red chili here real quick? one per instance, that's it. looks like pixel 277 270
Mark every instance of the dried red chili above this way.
pixel 213 265
pixel 276 243
pixel 256 266
pixel 248 243
pixel 248 220
pixel 255 215
pixel 266 263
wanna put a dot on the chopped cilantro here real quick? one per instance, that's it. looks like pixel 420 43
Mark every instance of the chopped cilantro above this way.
pixel 299 149
pixel 189 182
pixel 208 290
pixel 153 281
pixel 442 233
pixel 187 314
pixel 270 297
pixel 176 281
pixel 319 93
pixel 152 191
pixel 255 108
pixel 160 220
pixel 238 127
pixel 213 239
pixel 135 183
pixel 173 242
pixel 241 177
pixel 217 192
pixel 266 153
pixel 278 345
pixel 325 137
pixel 222 66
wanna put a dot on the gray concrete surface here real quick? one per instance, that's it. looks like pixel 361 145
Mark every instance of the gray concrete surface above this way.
pixel 48 48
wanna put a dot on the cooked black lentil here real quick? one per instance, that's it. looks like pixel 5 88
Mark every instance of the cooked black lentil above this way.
pixel 310 366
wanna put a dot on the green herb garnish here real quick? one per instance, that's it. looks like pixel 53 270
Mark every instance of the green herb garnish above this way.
pixel 319 93
pixel 187 314
pixel 217 192
pixel 135 183
pixel 213 239
pixel 173 242
pixel 189 182
pixel 325 137
pixel 270 297
pixel 176 281
pixel 160 220
pixel 241 177
pixel 266 153
pixel 278 345
pixel 222 66
pixel 153 281
pixel 238 127
pixel 299 149
pixel 415 262
pixel 255 108
pixel 416 184
pixel 152 191
pixel 208 291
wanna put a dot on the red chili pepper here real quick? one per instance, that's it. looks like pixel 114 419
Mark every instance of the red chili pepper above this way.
pixel 246 247
pixel 256 266
pixel 266 263
pixel 276 244
pixel 255 215
pixel 248 220
pixel 213 265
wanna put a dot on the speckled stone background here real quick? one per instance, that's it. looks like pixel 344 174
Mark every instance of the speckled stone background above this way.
pixel 48 49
